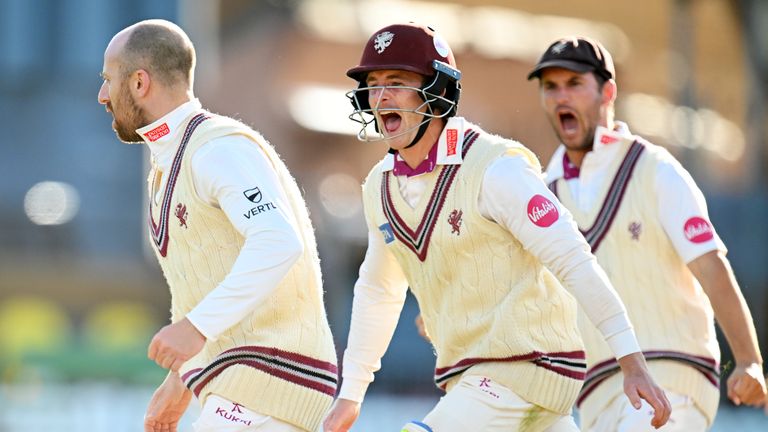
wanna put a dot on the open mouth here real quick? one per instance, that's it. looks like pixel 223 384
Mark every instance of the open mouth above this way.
pixel 569 124
pixel 391 121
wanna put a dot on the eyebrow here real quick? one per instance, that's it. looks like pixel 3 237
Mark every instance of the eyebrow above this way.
pixel 391 76
pixel 103 75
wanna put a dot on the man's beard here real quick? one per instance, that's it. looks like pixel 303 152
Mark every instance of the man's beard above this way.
pixel 134 118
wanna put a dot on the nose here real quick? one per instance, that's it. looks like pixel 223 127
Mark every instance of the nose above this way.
pixel 103 94
pixel 560 95
pixel 377 95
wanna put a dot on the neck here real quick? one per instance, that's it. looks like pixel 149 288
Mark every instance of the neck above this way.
pixel 576 156
pixel 414 155
pixel 164 104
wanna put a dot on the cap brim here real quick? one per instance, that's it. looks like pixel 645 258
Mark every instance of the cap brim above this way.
pixel 565 64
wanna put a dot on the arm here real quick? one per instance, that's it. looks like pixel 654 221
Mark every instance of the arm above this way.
pixel 704 252
pixel 562 248
pixel 167 405
pixel 379 296
pixel 223 169
pixel 746 383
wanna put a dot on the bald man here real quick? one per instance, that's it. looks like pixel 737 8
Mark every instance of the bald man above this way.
pixel 249 334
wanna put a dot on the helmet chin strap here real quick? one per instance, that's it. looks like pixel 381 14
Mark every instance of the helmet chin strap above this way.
pixel 421 132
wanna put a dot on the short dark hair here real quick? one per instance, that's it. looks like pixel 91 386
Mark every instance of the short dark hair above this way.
pixel 162 50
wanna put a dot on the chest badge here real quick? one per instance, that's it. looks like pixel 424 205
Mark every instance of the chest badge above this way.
pixel 181 213
pixel 635 229
pixel 454 220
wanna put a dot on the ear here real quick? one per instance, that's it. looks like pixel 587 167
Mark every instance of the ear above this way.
pixel 609 92
pixel 140 83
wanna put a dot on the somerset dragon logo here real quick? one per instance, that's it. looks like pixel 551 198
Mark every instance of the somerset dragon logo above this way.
pixel 383 40
pixel 454 219
pixel 542 212
pixel 698 230
pixel 635 228
pixel 181 213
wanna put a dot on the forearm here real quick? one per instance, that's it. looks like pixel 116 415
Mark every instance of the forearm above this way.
pixel 715 275
pixel 262 264
pixel 591 287
pixel 379 296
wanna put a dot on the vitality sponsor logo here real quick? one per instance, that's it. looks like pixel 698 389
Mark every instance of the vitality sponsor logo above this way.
pixel 386 231
pixel 698 230
pixel 542 212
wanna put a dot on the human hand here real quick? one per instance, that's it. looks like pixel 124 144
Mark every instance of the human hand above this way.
pixel 746 385
pixel 167 405
pixel 638 384
pixel 419 321
pixel 343 414
pixel 174 344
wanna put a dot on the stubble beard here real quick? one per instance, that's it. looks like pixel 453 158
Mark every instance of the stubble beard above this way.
pixel 134 118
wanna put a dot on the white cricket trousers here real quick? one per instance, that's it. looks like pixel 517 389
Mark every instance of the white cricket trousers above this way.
pixel 222 415
pixel 621 416
pixel 477 403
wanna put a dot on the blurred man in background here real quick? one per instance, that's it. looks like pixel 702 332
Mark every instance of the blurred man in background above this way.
pixel 647 223
pixel 464 218
pixel 249 335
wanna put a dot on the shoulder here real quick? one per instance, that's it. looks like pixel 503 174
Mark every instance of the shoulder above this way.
pixel 663 167
pixel 506 148
pixel 374 175
pixel 219 125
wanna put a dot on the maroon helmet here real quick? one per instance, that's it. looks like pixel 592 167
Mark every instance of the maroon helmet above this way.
pixel 413 48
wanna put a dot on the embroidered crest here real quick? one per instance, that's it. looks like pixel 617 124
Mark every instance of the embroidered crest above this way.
pixel 181 213
pixel 454 219
pixel 383 40
pixel 557 49
pixel 635 228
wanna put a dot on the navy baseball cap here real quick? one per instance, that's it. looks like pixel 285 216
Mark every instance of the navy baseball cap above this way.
pixel 576 53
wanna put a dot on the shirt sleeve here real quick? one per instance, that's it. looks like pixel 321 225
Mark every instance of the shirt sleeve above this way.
pixel 226 172
pixel 379 296
pixel 682 211
pixel 514 195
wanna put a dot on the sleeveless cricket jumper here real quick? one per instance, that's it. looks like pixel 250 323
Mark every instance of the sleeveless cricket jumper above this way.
pixel 674 319
pixel 280 360
pixel 491 307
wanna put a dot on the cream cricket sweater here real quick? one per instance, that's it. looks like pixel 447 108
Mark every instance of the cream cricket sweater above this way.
pixel 280 361
pixel 672 316
pixel 491 306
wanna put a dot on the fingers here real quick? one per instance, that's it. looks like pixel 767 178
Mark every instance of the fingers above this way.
pixel 662 409
pixel 165 356
pixel 159 426
pixel 153 348
pixel 746 390
pixel 655 397
pixel 176 364
pixel 634 399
